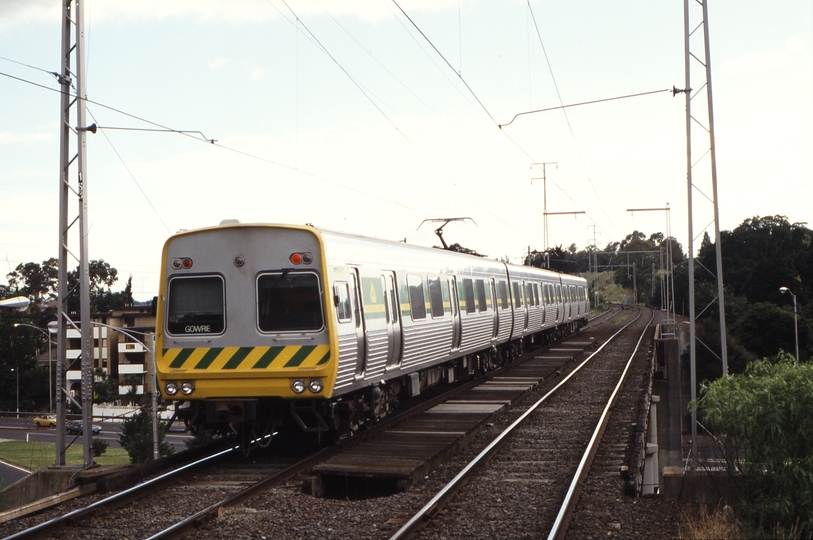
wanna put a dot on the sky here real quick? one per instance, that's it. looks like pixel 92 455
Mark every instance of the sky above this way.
pixel 371 116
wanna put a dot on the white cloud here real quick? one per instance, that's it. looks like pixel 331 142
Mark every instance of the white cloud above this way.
pixel 257 74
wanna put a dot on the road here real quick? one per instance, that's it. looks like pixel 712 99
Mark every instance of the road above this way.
pixel 23 429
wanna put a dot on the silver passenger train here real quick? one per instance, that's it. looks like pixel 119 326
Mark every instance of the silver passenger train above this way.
pixel 265 325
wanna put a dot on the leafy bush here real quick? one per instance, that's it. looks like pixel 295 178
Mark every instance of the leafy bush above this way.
pixel 98 447
pixel 764 419
pixel 136 437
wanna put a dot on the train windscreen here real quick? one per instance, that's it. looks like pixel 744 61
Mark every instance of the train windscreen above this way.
pixel 195 305
pixel 289 301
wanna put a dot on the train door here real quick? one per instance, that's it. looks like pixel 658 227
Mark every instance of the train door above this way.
pixel 568 305
pixel 560 310
pixel 457 330
pixel 393 318
pixel 358 319
pixel 494 304
pixel 521 314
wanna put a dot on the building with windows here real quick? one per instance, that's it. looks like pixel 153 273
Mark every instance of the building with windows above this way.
pixel 115 355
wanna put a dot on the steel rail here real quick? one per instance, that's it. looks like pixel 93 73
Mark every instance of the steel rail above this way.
pixel 454 486
pixel 562 520
pixel 182 528
pixel 114 500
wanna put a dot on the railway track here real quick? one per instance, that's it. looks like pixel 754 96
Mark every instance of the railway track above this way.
pixel 525 483
pixel 210 488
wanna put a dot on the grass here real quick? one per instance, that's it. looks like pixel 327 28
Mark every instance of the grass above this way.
pixel 719 524
pixel 38 455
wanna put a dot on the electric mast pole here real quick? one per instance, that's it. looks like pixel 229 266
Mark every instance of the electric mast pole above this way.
pixel 73 45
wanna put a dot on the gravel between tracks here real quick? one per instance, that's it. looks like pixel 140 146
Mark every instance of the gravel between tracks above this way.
pixel 287 513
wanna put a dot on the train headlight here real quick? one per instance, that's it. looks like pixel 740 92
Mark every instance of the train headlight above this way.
pixel 315 386
pixel 171 388
pixel 187 387
pixel 298 386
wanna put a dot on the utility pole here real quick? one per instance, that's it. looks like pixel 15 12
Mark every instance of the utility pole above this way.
pixel 669 288
pixel 544 198
pixel 594 257
pixel 73 45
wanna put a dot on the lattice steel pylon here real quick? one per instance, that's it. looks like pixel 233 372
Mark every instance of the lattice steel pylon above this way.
pixel 692 121
pixel 72 85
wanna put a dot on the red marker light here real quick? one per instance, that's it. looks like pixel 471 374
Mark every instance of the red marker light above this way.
pixel 186 263
pixel 296 258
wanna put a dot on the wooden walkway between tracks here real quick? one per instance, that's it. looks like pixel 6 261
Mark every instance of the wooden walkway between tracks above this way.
pixel 410 450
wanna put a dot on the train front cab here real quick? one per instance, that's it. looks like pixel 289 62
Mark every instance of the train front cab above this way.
pixel 244 331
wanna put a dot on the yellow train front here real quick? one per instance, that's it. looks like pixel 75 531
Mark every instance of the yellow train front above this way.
pixel 242 326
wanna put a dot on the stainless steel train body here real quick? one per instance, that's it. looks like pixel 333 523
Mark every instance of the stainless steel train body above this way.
pixel 262 323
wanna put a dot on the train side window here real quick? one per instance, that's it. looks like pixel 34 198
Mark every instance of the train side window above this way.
pixel 435 297
pixel 468 294
pixel 393 299
pixel 536 294
pixel 403 296
pixel 558 294
pixel 517 296
pixel 341 297
pixel 289 301
pixel 195 305
pixel 447 304
pixel 417 299
pixel 482 304
pixel 356 299
pixel 529 295
pixel 502 294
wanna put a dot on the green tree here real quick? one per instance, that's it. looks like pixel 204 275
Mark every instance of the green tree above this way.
pixel 136 437
pixel 37 281
pixel 102 276
pixel 132 382
pixel 105 389
pixel 764 420
pixel 760 256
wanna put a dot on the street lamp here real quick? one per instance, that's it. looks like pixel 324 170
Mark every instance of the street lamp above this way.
pixel 18 302
pixel 51 330
pixel 784 290
pixel 17 371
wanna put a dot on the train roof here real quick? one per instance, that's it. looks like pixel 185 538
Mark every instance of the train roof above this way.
pixel 474 260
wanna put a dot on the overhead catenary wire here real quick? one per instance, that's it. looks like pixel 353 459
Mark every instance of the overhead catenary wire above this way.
pixel 360 87
pixel 132 176
pixel 567 118
pixel 458 73
pixel 213 142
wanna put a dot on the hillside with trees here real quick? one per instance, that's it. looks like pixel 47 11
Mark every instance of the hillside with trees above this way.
pixel 759 256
